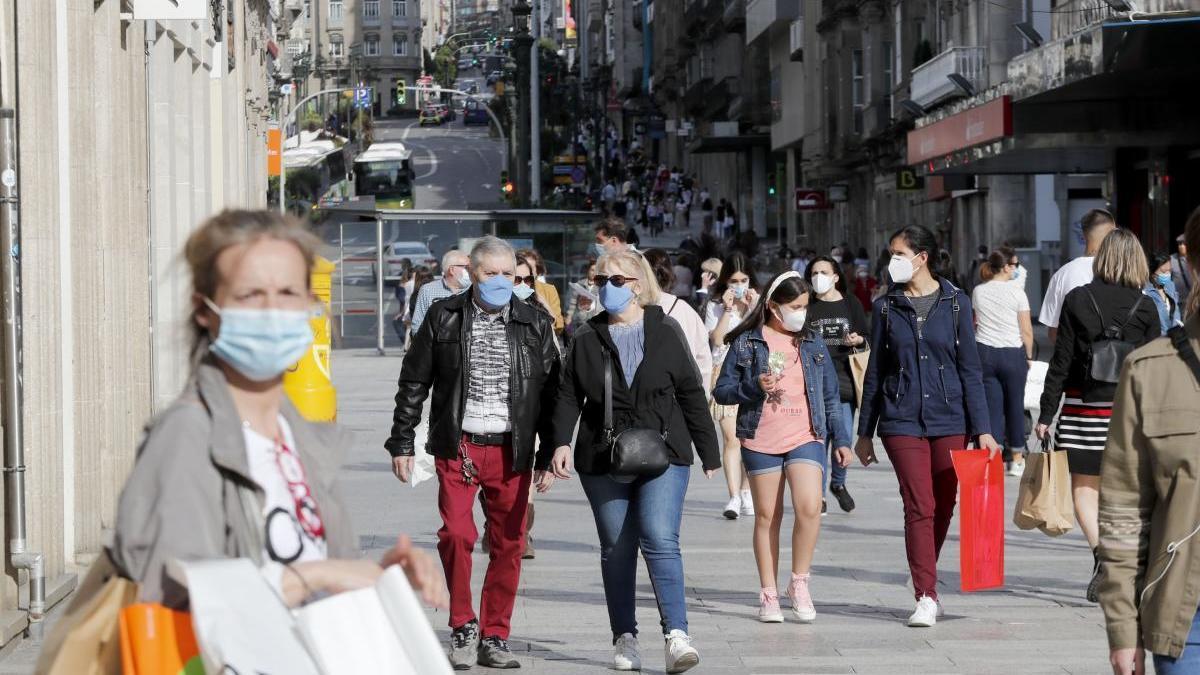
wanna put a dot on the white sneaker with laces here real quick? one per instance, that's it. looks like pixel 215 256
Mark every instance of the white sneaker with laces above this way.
pixel 925 615
pixel 626 654
pixel 733 507
pixel 681 655
pixel 747 504
pixel 1016 469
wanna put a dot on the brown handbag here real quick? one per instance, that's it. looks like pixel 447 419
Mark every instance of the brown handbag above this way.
pixel 86 640
pixel 858 371
pixel 1044 496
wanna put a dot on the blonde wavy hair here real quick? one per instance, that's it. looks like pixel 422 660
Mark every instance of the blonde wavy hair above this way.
pixel 632 264
pixel 1121 261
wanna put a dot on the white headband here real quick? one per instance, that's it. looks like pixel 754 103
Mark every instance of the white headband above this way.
pixel 779 280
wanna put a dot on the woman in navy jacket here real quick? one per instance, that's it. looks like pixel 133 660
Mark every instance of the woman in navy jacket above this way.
pixel 923 394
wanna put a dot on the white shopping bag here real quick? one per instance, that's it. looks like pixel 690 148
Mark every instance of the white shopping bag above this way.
pixel 241 625
pixel 423 468
pixel 373 630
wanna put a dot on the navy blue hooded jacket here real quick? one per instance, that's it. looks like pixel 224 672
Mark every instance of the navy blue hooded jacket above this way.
pixel 925 382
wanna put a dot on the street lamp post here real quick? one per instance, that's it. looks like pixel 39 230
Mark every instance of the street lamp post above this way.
pixel 523 46
pixel 535 109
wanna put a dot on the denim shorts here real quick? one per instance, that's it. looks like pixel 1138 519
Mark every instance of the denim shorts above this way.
pixel 758 463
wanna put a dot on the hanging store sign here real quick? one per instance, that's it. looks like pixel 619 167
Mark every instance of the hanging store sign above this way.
pixel 981 124
pixel 908 180
pixel 808 199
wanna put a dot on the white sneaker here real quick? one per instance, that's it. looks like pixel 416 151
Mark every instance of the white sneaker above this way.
pixel 681 655
pixel 941 610
pixel 1016 469
pixel 747 504
pixel 925 615
pixel 626 655
pixel 733 507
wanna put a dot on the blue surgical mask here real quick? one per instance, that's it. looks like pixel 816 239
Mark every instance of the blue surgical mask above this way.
pixel 522 291
pixel 495 291
pixel 739 290
pixel 615 298
pixel 1017 274
pixel 261 343
pixel 1163 279
pixel 597 250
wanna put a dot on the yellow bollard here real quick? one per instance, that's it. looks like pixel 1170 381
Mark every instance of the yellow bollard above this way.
pixel 309 383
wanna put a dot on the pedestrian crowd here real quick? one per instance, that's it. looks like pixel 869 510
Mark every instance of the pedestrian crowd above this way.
pixel 655 363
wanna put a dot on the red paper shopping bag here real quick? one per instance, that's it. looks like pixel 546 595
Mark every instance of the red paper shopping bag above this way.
pixel 981 519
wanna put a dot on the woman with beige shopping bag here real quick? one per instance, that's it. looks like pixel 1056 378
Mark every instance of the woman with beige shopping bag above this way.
pixel 1044 494
pixel 231 470
pixel 838 319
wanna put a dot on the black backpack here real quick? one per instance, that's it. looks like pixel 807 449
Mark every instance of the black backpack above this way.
pixel 1107 352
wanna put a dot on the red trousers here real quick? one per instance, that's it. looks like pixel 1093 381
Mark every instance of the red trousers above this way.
pixel 507 494
pixel 928 488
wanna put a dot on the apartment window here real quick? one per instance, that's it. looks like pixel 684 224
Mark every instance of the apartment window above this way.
pixel 371 45
pixel 335 10
pixel 399 8
pixel 856 88
pixel 371 10
pixel 308 10
pixel 889 83
pixel 335 50
pixel 400 45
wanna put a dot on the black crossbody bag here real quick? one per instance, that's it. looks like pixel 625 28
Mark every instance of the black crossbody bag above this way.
pixel 634 453
pixel 1108 352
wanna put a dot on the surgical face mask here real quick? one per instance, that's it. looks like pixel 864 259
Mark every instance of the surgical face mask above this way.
pixel 901 269
pixel 495 291
pixel 837 258
pixel 597 250
pixel 522 291
pixel 541 278
pixel 1018 274
pixel 1163 279
pixel 615 298
pixel 462 277
pixel 261 343
pixel 739 290
pixel 822 283
pixel 793 320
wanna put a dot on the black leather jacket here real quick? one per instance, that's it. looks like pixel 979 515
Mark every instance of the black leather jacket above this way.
pixel 435 359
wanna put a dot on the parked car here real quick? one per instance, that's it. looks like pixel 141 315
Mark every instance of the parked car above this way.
pixel 430 116
pixel 474 113
pixel 416 252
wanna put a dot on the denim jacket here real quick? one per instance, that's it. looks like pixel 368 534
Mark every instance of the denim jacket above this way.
pixel 1169 314
pixel 748 358
pixel 924 382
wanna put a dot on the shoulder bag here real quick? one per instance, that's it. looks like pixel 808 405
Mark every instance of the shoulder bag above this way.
pixel 634 453
pixel 1108 351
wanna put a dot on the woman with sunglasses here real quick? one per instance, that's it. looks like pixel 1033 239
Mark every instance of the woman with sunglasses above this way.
pixel 923 395
pixel 231 470
pixel 1004 333
pixel 655 385
pixel 785 385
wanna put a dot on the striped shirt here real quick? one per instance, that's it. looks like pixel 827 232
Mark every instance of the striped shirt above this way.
pixel 490 365
pixel 430 293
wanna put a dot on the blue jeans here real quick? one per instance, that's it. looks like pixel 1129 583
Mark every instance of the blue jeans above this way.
pixel 1188 662
pixel 1004 373
pixel 643 514
pixel 837 474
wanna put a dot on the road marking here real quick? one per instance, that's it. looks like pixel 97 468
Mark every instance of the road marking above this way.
pixel 433 161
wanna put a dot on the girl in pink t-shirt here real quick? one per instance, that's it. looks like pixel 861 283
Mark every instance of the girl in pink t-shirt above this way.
pixel 785 385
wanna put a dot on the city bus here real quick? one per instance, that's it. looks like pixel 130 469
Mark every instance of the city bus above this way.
pixel 385 172
pixel 316 170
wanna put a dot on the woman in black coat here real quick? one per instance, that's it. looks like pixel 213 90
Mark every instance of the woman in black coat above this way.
pixel 655 385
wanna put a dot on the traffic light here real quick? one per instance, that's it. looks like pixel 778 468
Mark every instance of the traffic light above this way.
pixel 506 186
pixel 401 92
pixel 771 187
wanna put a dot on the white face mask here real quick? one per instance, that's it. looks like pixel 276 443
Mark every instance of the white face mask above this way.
pixel 463 278
pixel 901 269
pixel 822 283
pixel 793 320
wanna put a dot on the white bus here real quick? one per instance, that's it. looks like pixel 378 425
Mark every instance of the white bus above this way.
pixel 385 172
pixel 325 162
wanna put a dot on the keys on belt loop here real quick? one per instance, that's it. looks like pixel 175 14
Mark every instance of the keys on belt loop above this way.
pixel 470 472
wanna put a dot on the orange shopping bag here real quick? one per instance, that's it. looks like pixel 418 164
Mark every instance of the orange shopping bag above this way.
pixel 981 519
pixel 158 641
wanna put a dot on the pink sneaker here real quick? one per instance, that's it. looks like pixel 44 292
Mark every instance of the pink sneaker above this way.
pixel 802 604
pixel 768 606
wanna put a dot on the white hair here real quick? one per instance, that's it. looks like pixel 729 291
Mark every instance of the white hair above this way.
pixel 449 255
pixel 491 246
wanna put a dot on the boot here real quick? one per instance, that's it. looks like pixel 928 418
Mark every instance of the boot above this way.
pixel 528 553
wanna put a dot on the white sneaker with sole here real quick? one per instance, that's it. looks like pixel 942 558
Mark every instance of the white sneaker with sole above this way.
pixel 925 615
pixel 626 654
pixel 747 504
pixel 681 655
pixel 1016 469
pixel 733 507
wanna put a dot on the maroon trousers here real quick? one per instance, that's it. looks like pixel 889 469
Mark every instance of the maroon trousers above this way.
pixel 507 494
pixel 928 488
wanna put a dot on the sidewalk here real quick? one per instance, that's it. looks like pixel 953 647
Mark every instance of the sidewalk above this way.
pixel 1039 623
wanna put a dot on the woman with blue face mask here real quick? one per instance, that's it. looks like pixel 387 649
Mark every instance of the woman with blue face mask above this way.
pixel 1161 289
pixel 733 298
pixel 655 385
pixel 231 469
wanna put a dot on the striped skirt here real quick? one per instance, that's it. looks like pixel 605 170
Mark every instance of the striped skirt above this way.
pixel 1082 432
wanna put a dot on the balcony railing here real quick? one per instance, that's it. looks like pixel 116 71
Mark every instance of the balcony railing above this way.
pixel 763 15
pixel 930 84
pixel 796 39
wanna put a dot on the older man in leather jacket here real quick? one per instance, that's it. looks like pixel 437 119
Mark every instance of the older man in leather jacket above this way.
pixel 493 366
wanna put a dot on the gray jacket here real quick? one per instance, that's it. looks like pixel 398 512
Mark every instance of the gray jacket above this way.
pixel 190 495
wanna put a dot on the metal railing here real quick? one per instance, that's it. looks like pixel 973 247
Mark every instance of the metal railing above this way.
pixel 930 83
